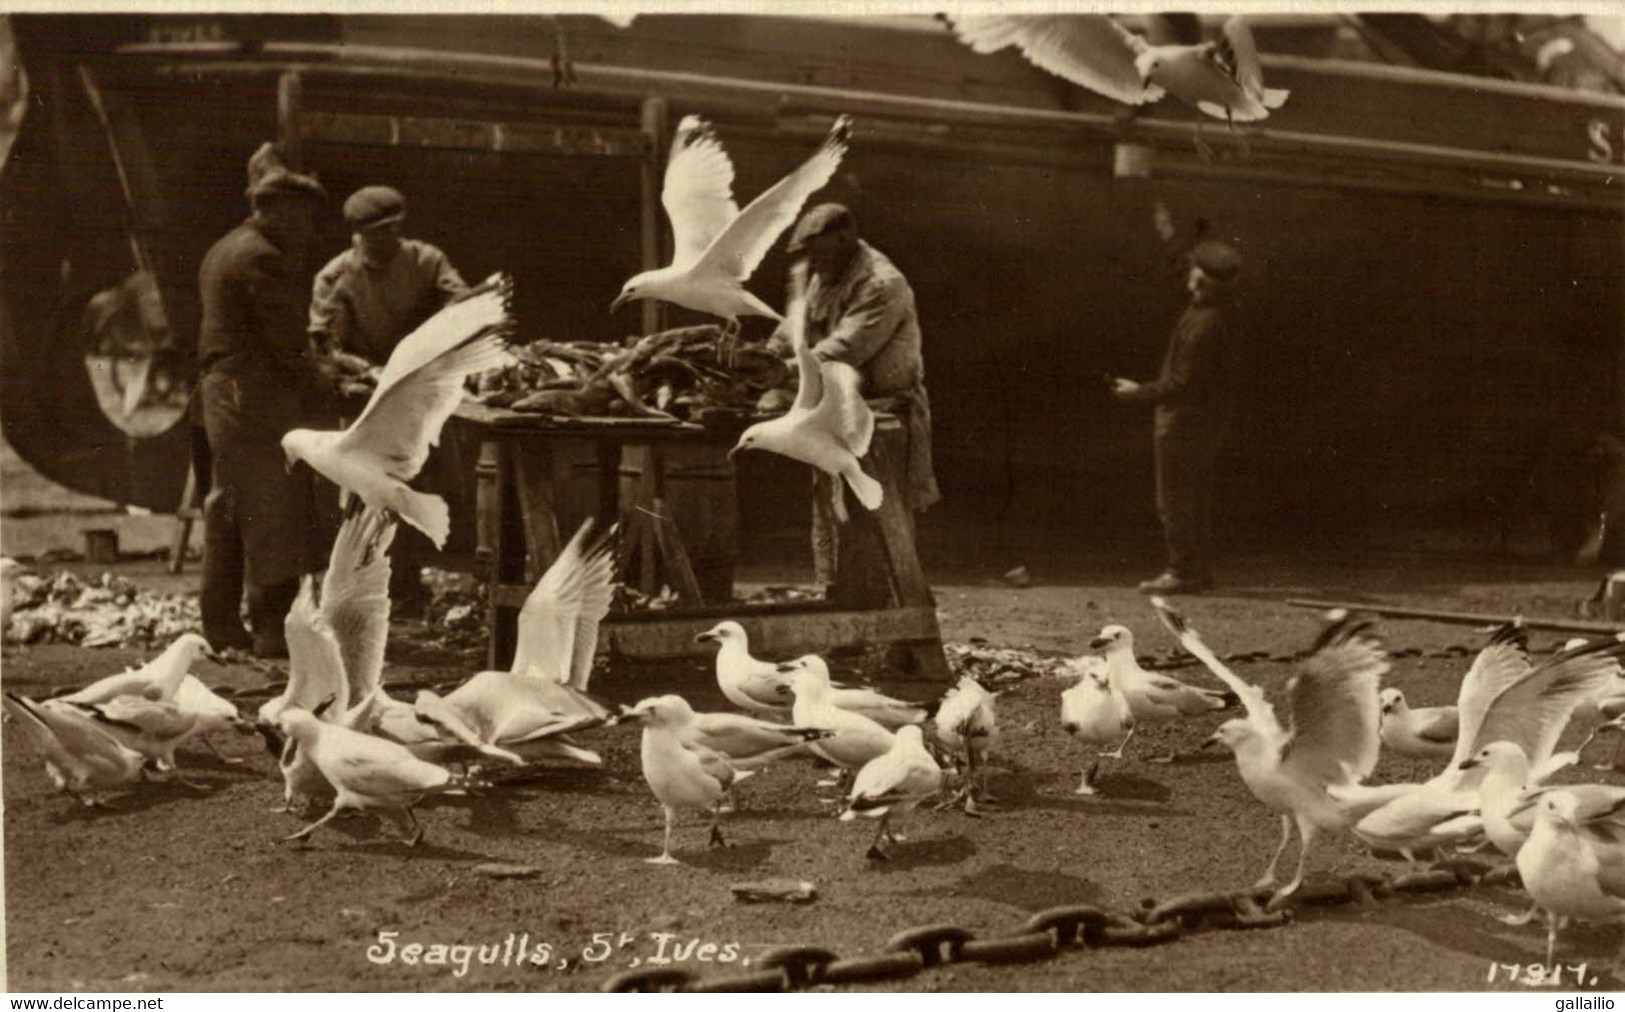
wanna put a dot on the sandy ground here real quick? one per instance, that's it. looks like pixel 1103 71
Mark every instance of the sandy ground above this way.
pixel 183 889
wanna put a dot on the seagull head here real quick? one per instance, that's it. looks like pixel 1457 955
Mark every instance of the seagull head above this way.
pixel 722 632
pixel 753 438
pixel 298 723
pixel 662 711
pixel 1393 701
pixel 1113 639
pixel 1560 807
pixel 1232 734
pixel 648 285
pixel 806 672
pixel 1496 756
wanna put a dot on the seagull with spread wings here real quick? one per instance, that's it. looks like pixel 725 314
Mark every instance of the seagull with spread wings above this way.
pixel 829 426
pixel 1332 739
pixel 1222 78
pixel 716 246
pixel 419 389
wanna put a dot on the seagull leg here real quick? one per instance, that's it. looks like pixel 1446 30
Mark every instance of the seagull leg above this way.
pixel 970 782
pixel 338 806
pixel 728 344
pixel 875 853
pixel 1306 840
pixel 1087 786
pixel 414 826
pixel 1269 873
pixel 1551 937
pixel 716 831
pixel 665 853
pixel 1119 753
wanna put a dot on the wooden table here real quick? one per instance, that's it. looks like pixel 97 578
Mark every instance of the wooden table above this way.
pixel 539 477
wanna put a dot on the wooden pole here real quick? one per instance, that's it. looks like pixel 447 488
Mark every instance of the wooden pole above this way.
pixel 654 121
pixel 290 101
pixel 1576 625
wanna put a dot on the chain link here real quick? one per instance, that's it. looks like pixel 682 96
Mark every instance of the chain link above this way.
pixel 1047 933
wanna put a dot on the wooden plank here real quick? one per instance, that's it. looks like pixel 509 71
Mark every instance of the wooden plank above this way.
pixel 375 130
pixel 655 122
pixel 674 555
pixel 534 483
pixel 290 102
pixel 1577 625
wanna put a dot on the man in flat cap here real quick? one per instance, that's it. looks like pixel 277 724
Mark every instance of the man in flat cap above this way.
pixel 364 302
pixel 257 380
pixel 863 314
pixel 1195 397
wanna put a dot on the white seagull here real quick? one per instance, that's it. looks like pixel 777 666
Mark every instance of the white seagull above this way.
pixel 892 784
pixel 419 389
pixel 829 425
pixel 1151 697
pixel 1424 732
pixel 968 723
pixel 1095 712
pixel 716 246
pixel 683 774
pixel 81 758
pixel 754 686
pixel 158 680
pixel 887 711
pixel 1332 740
pixel 856 740
pixel 1573 864
pixel 1222 78
pixel 365 771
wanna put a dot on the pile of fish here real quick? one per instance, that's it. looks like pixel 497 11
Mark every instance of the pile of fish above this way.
pixel 990 664
pixel 108 611
pixel 685 374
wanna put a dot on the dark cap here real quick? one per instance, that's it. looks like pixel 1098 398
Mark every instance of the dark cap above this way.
pixel 372 206
pixel 819 221
pixel 1218 260
pixel 269 176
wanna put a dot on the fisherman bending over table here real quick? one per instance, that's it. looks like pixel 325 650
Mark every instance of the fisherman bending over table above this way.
pixel 862 314
pixel 365 301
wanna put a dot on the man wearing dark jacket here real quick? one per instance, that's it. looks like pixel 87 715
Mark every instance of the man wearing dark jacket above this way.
pixel 258 380
pixel 1195 397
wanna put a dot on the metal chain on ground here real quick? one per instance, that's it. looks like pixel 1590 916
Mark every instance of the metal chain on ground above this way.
pixel 1049 933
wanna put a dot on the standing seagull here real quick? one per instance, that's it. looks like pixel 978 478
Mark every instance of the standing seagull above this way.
pixel 753 685
pixel 420 387
pixel 856 739
pixel 968 723
pixel 1095 712
pixel 1151 697
pixel 682 774
pixel 1222 78
pixel 893 784
pixel 158 680
pixel 1428 731
pixel 1574 866
pixel 1332 740
pixel 716 246
pixel 829 426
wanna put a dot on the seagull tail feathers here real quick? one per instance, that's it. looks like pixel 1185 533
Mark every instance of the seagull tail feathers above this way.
pixel 1274 98
pixel 428 513
pixel 868 490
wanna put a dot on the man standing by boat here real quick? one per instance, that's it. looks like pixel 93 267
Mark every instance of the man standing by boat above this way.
pixel 862 314
pixel 364 302
pixel 257 381
pixel 1195 397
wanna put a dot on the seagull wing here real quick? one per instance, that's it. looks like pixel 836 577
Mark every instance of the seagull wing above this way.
pixel 740 247
pixel 355 598
pixel 843 409
pixel 1336 713
pixel 809 376
pixel 313 652
pixel 1439 726
pixel 569 600
pixel 698 192
pixel 1503 661
pixel 1259 712
pixel 1238 55
pixel 422 383
pixel 1090 50
pixel 374 767
pixel 1533 711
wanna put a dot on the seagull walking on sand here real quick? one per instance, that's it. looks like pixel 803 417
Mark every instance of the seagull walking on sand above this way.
pixel 856 739
pixel 968 723
pixel 716 246
pixel 829 425
pixel 1095 712
pixel 366 771
pixel 683 774
pixel 747 743
pixel 419 389
pixel 1332 740
pixel 1573 864
pixel 81 757
pixel 754 686
pixel 1424 732
pixel 1152 698
pixel 892 784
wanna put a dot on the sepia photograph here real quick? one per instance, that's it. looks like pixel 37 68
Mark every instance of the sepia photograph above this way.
pixel 840 498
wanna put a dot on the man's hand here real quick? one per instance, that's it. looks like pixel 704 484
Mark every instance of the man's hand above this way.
pixel 1123 389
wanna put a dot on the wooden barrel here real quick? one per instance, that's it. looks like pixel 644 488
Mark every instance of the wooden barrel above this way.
pixel 698 486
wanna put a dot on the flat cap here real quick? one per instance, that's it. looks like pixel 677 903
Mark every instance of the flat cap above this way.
pixel 1218 260
pixel 820 220
pixel 269 176
pixel 372 206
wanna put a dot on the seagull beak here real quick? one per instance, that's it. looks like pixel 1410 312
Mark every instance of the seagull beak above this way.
pixel 1099 643
pixel 1467 764
pixel 1212 741
pixel 706 637
pixel 620 300
pixel 732 451
pixel 786 668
